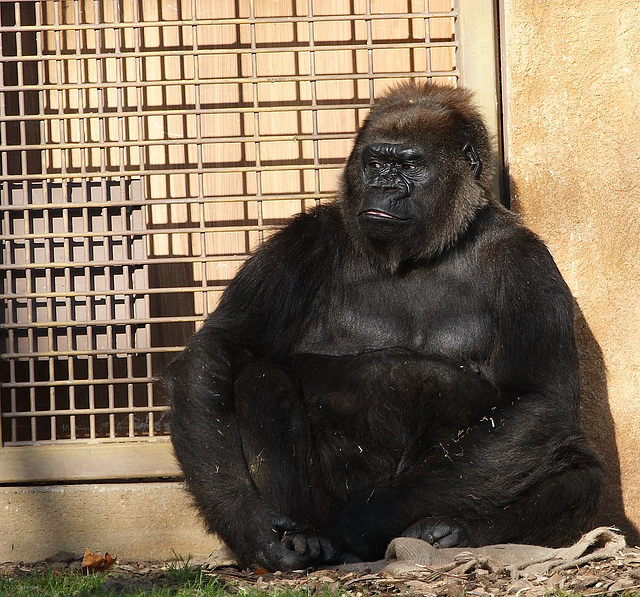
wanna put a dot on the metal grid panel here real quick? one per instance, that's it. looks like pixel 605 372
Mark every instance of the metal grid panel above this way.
pixel 146 148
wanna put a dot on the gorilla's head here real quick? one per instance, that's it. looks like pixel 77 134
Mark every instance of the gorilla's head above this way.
pixel 419 172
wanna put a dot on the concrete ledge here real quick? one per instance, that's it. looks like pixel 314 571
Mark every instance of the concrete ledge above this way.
pixel 132 521
pixel 84 462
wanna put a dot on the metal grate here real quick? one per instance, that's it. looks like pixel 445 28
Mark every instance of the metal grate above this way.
pixel 146 148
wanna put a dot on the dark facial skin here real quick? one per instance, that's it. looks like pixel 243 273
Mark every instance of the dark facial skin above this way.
pixel 392 174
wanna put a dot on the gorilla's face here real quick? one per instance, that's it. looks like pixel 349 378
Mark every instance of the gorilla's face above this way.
pixel 394 176
pixel 415 178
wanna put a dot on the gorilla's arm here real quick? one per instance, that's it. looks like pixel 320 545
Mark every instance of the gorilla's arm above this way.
pixel 207 444
pixel 526 473
pixel 259 316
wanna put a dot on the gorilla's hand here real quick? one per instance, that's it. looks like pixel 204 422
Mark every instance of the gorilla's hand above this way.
pixel 440 532
pixel 319 548
pixel 260 545
pixel 296 547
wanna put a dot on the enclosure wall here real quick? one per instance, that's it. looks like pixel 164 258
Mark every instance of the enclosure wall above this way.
pixel 572 99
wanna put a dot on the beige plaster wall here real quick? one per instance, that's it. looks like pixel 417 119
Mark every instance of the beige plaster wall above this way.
pixel 131 521
pixel 572 101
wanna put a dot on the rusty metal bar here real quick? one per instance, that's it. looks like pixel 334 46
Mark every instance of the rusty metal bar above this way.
pixel 241 21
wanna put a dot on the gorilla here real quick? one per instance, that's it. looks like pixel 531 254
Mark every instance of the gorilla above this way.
pixel 400 361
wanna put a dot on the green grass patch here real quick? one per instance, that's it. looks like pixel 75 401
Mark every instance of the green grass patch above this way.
pixel 49 583
pixel 174 583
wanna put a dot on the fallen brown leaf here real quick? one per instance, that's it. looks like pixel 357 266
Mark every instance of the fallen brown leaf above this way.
pixel 94 562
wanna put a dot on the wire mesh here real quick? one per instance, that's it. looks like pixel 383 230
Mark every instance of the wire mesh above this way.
pixel 146 148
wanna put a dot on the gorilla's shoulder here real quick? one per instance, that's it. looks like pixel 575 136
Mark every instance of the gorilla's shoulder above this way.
pixel 503 228
pixel 306 246
pixel 315 230
pixel 320 219
pixel 509 248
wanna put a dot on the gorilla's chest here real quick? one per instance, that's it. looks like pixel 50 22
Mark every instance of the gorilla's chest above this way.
pixel 443 311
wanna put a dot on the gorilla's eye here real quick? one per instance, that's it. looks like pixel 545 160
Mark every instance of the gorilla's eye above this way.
pixel 408 167
pixel 376 165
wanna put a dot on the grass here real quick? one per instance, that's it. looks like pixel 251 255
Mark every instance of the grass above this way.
pixel 50 584
pixel 179 580
pixel 70 584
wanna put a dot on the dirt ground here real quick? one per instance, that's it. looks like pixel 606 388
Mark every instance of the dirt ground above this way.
pixel 617 574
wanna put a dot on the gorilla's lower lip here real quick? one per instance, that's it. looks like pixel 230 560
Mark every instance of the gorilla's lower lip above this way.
pixel 376 213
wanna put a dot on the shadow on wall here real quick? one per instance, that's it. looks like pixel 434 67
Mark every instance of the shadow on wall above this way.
pixel 598 425
pixel 596 415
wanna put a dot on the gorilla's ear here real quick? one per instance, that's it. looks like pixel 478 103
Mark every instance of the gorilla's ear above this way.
pixel 474 161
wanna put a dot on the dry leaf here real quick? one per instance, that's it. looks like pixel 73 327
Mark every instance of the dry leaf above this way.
pixel 260 571
pixel 94 562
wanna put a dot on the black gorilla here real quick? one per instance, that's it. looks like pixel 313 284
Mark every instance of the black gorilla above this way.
pixel 400 361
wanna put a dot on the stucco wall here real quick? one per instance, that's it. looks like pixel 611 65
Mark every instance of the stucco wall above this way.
pixel 572 100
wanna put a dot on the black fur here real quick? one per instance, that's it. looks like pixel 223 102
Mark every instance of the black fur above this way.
pixel 399 361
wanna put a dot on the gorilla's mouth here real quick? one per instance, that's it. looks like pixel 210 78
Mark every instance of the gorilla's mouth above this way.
pixel 376 213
